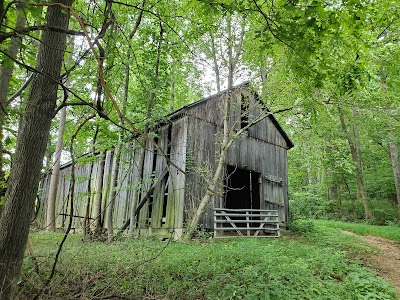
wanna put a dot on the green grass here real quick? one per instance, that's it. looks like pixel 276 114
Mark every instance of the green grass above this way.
pixel 320 264
pixel 388 232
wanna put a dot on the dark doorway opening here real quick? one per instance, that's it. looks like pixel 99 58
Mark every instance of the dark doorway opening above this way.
pixel 242 190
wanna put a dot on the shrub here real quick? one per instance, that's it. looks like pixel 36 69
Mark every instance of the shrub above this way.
pixel 308 205
pixel 301 226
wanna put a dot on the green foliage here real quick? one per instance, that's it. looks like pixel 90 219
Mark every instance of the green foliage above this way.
pixel 383 211
pixel 301 226
pixel 389 232
pixel 308 205
pixel 311 266
pixel 366 286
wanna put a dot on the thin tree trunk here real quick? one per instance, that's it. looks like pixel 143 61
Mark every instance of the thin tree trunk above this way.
pixel 355 150
pixel 51 202
pixel 113 192
pixel 217 177
pixel 115 167
pixel 172 100
pixel 215 61
pixel 393 149
pixel 31 146
pixel 136 197
pixel 361 189
pixel 394 159
pixel 48 155
pixel 87 223
pixel 98 194
pixel 6 71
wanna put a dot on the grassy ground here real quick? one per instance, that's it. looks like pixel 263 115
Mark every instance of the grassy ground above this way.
pixel 321 264
pixel 388 232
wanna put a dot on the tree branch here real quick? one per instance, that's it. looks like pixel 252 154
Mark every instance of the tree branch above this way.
pixel 26 30
pixel 21 89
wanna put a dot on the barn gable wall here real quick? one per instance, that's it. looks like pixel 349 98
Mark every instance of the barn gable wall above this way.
pixel 262 149
pixel 246 153
pixel 211 110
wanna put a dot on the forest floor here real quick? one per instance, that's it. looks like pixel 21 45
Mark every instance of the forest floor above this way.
pixel 317 263
pixel 386 262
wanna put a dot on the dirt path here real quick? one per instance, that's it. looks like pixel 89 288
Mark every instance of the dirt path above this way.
pixel 387 261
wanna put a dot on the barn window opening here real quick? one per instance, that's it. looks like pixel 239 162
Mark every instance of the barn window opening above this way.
pixel 244 111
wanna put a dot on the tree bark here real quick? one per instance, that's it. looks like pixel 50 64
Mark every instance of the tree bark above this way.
pixel 355 150
pixel 51 201
pixel 98 195
pixel 216 66
pixel 115 168
pixel 394 159
pixel 393 149
pixel 113 192
pixel 31 145
pixel 226 138
pixel 6 71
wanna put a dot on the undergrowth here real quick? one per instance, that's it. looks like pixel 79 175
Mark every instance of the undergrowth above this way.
pixel 312 206
pixel 389 232
pixel 316 265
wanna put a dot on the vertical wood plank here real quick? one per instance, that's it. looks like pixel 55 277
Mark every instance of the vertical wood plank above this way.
pixel 176 189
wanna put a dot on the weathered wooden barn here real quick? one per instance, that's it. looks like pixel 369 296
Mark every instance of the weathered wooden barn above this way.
pixel 163 195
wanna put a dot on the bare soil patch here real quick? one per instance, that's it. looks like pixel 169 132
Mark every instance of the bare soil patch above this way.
pixel 387 261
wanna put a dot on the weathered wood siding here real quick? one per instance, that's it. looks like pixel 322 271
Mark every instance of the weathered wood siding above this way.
pixel 129 190
pixel 85 174
pixel 190 142
pixel 200 159
pixel 176 188
pixel 262 149
pixel 161 165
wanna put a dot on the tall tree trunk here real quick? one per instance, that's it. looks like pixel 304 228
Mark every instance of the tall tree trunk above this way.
pixel 393 149
pixel 216 181
pixel 172 100
pixel 6 71
pixel 353 141
pixel 87 220
pixel 142 154
pixel 115 168
pixel 113 192
pixel 394 159
pixel 215 61
pixel 30 150
pixel 51 201
pixel 98 209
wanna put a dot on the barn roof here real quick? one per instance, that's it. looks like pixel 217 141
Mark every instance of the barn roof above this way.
pixel 183 110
